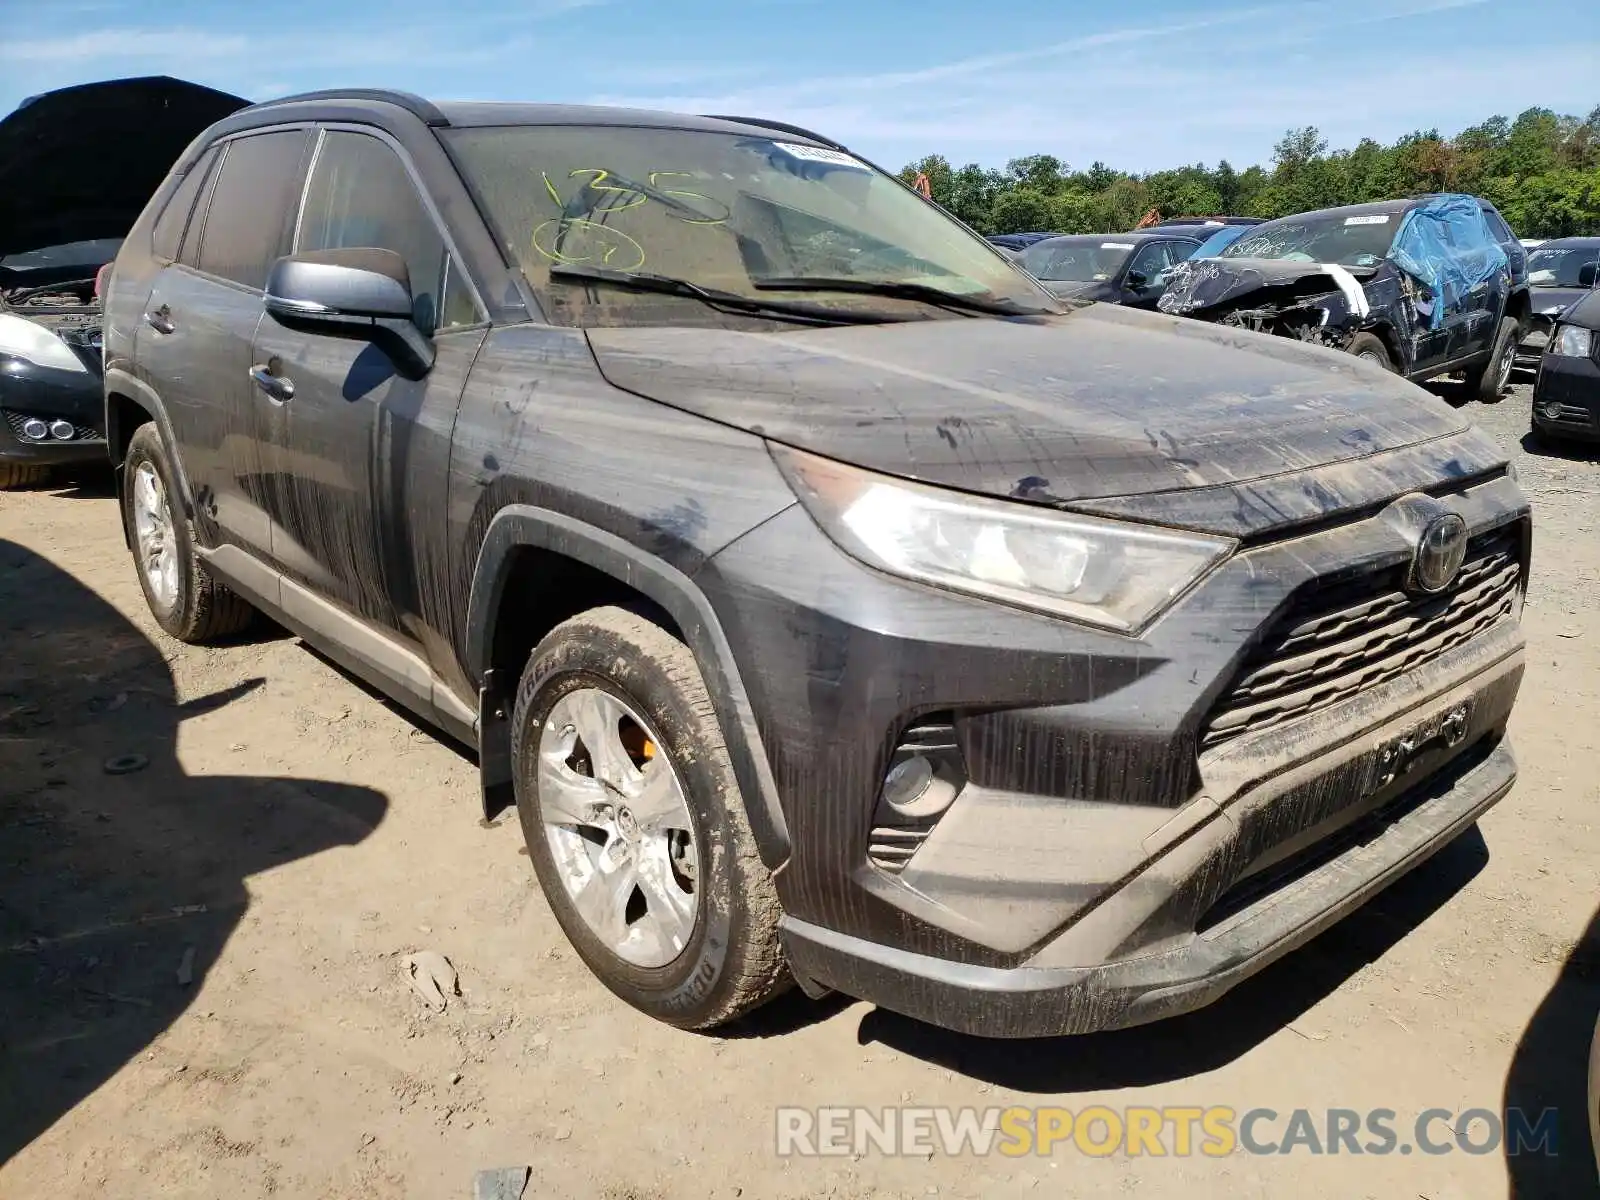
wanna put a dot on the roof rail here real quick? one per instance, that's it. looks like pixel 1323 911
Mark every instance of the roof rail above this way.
pixel 415 105
pixel 780 126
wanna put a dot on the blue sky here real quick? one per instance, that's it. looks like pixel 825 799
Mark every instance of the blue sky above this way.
pixel 1139 86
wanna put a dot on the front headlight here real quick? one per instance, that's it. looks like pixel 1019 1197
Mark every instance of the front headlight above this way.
pixel 37 344
pixel 1107 573
pixel 1572 341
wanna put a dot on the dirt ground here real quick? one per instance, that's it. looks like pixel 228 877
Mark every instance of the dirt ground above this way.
pixel 200 958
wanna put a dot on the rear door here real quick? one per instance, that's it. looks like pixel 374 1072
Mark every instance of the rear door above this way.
pixel 199 322
pixel 360 442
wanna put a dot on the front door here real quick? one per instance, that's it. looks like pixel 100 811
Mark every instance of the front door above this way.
pixel 1146 277
pixel 365 451
pixel 199 322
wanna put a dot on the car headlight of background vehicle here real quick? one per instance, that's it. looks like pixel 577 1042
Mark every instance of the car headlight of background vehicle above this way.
pixel 1572 341
pixel 1111 574
pixel 24 339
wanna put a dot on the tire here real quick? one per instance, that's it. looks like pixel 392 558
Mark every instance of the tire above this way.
pixel 199 609
pixel 20 475
pixel 1369 346
pixel 1489 382
pixel 730 961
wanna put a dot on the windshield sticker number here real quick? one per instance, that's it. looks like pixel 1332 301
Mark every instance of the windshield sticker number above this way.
pixel 818 154
pixel 1116 245
pixel 1380 219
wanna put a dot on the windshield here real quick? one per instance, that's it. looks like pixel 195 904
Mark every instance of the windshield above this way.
pixel 729 213
pixel 1351 240
pixel 1563 268
pixel 1076 259
pixel 1225 236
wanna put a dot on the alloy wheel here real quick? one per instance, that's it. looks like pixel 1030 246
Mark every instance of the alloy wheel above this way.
pixel 617 821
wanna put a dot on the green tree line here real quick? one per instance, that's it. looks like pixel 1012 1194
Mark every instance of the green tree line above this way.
pixel 1542 171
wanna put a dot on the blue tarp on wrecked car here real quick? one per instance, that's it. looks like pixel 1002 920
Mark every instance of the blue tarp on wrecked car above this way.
pixel 1447 245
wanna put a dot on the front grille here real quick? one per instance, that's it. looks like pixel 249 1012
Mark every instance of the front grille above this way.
pixel 80 433
pixel 1338 640
pixel 1569 413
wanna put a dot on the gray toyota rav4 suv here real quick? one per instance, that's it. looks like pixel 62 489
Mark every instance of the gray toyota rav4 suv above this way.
pixel 833 604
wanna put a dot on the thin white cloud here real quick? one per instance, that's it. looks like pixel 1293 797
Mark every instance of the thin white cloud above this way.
pixel 132 45
pixel 1124 95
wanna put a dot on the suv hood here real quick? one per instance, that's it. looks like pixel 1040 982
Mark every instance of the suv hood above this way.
pixel 1103 401
pixel 81 163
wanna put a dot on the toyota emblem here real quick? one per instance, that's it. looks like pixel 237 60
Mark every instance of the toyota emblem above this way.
pixel 1440 552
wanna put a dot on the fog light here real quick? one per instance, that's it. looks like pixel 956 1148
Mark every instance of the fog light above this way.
pixel 35 430
pixel 62 431
pixel 1552 411
pixel 907 783
pixel 924 778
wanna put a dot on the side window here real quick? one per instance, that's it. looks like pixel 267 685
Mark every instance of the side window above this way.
pixel 1151 260
pixel 168 233
pixel 253 196
pixel 361 195
pixel 1498 227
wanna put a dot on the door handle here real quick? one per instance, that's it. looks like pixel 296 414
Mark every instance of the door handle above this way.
pixel 279 387
pixel 159 319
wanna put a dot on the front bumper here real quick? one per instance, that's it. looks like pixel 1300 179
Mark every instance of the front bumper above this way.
pixel 1040 999
pixel 76 397
pixel 1120 794
pixel 1566 398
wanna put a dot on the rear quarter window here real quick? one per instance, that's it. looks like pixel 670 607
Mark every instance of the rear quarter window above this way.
pixel 167 237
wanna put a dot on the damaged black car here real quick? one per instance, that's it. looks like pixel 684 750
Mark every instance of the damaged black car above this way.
pixel 1118 268
pixel 76 168
pixel 1566 398
pixel 1560 273
pixel 833 605
pixel 1423 287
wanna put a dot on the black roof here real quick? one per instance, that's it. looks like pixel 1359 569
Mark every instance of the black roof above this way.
pixel 1136 237
pixel 1214 222
pixel 486 114
pixel 1569 243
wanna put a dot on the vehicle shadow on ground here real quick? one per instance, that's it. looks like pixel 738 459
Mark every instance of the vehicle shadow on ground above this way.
pixel 1213 1036
pixel 1546 447
pixel 121 876
pixel 1550 1070
pixel 81 481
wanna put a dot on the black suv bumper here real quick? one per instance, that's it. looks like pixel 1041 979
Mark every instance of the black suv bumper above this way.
pixel 1566 398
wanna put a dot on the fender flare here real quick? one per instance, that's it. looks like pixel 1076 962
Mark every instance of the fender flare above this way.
pixel 141 393
pixel 520 525
pixel 124 383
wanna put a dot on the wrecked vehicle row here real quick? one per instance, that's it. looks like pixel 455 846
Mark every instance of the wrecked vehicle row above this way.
pixel 1561 272
pixel 1422 287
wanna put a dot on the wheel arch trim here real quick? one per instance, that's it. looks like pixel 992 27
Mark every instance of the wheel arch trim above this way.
pixel 520 526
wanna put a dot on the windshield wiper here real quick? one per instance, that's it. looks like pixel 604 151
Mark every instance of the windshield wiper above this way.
pixel 926 293
pixel 645 281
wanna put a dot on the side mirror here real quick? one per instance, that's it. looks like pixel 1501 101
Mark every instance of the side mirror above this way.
pixel 362 293
pixel 1137 281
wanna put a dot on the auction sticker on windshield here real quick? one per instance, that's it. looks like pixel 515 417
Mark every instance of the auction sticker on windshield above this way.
pixel 1116 245
pixel 817 154
pixel 1380 219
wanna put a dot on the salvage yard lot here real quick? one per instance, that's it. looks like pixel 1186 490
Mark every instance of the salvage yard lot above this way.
pixel 281 838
